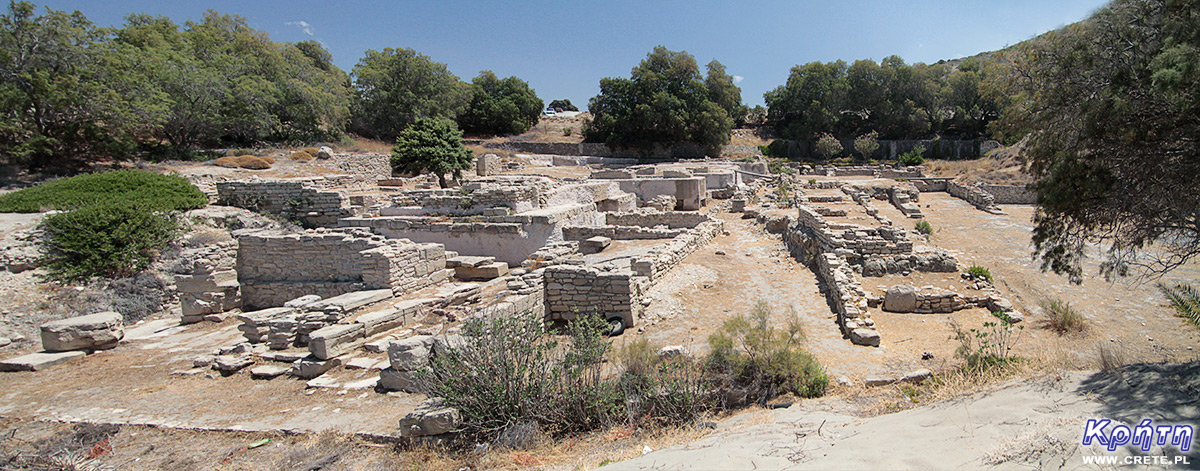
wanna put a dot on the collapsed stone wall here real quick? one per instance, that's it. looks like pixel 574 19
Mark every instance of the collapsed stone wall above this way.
pixel 487 165
pixel 845 293
pixel 972 194
pixel 360 169
pixel 938 261
pixel 210 285
pixel 620 232
pixel 299 200
pixel 274 268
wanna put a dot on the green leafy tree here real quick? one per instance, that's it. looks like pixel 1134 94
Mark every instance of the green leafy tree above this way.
pixel 1111 106
pixel 867 144
pixel 810 102
pixel 724 92
pixel 66 95
pixel 828 146
pixel 431 145
pixel 564 104
pixel 664 103
pixel 397 87
pixel 500 106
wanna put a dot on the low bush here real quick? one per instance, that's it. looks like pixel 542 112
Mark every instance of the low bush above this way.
pixel 1185 299
pixel 149 190
pixel 977 271
pixel 989 347
pixel 912 157
pixel 1061 318
pixel 924 227
pixel 752 361
pixel 241 151
pixel 110 240
pixel 301 156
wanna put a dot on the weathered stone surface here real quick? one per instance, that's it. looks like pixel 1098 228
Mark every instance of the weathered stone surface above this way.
pixel 862 336
pixel 392 379
pixel 350 301
pixel 361 363
pixel 430 418
pixel 91 332
pixel 672 351
pixel 900 298
pixel 411 353
pixel 469 261
pixel 484 272
pixel 302 301
pixel 595 244
pixel 876 381
pixel 38 361
pixel 229 364
pixel 268 371
pixel 309 367
pixel 331 341
pixel 324 153
pixel 917 376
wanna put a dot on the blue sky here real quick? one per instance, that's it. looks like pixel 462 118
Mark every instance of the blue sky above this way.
pixel 563 48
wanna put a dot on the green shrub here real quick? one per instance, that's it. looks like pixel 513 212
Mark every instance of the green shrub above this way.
pixel 924 227
pixel 828 146
pixel 977 271
pixel 1061 318
pixel 1185 299
pixel 990 346
pixel 149 190
pixel 110 240
pixel 912 157
pixel 779 166
pixel 749 355
pixel 765 150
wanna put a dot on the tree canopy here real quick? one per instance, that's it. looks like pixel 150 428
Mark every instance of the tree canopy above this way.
pixel 1112 110
pixel 500 106
pixel 564 104
pixel 398 87
pixel 665 102
pixel 431 145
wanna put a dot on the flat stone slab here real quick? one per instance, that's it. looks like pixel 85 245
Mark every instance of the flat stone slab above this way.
pixel 361 363
pixel 268 371
pixel 309 368
pixel 350 301
pixel 484 272
pixel 38 361
pixel 331 341
pixel 468 261
pixel 91 332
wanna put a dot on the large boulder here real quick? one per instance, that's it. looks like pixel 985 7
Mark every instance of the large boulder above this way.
pixel 430 418
pixel 324 153
pixel 91 332
pixel 900 298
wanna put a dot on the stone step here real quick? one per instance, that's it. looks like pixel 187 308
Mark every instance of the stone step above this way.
pixel 484 272
pixel 38 361
pixel 468 261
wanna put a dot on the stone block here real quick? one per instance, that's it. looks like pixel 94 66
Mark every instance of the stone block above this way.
pixel 430 418
pixel 917 376
pixel 311 367
pixel 900 298
pixel 485 272
pixel 350 301
pixel 391 379
pixel 331 341
pixel 410 353
pixel 864 336
pixel 229 364
pixel 595 244
pixel 38 361
pixel 91 332
pixel 268 371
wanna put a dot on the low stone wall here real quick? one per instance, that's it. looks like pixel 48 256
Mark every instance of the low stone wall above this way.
pixel 574 290
pixel 845 293
pixel 1010 194
pixel 861 241
pixel 664 257
pixel 487 164
pixel 671 219
pixel 937 262
pixel 365 169
pixel 274 268
pixel 298 200
pixel 972 194
pixel 929 184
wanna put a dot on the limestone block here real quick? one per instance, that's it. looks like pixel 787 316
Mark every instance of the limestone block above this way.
pixel 430 418
pixel 350 301
pixel 91 332
pixel 38 361
pixel 900 298
pixel 864 336
pixel 331 341
pixel 410 353
pixel 311 367
pixel 485 272
pixel 230 364
pixel 268 371
pixel 391 379
pixel 917 376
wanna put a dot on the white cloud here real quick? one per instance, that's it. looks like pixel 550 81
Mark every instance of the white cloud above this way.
pixel 738 79
pixel 303 25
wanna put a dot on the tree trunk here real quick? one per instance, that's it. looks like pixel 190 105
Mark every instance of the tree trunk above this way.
pixel 442 180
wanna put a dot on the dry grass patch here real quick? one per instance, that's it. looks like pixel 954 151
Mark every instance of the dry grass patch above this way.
pixel 1062 318
pixel 250 162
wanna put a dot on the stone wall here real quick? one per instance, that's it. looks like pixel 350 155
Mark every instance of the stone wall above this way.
pixel 972 194
pixel 1010 194
pixel 575 290
pixel 300 200
pixel 664 257
pixel 620 232
pixel 365 169
pixel 938 261
pixel 845 293
pixel 274 268
pixel 487 164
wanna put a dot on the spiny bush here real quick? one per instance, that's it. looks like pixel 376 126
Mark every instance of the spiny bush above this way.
pixel 757 362
pixel 302 156
pixel 1061 318
pixel 240 152
pixel 110 240
pixel 1185 299
pixel 979 272
pixel 924 227
pixel 149 190
pixel 671 389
